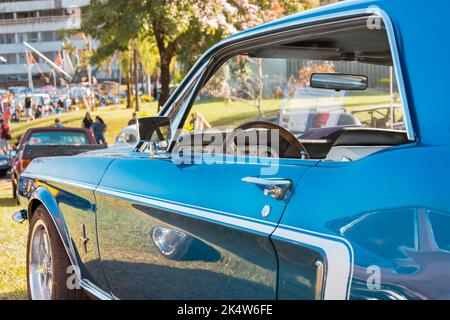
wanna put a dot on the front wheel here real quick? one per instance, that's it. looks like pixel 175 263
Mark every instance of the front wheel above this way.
pixel 47 262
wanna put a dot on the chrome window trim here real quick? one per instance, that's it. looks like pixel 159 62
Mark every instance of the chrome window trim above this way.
pixel 190 85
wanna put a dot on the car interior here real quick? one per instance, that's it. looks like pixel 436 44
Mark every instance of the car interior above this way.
pixel 312 91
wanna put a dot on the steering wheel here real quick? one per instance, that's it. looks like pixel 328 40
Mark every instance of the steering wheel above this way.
pixel 289 146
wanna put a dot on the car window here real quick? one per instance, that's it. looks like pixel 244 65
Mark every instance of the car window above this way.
pixel 386 234
pixel 59 137
pixel 120 137
pixel 279 91
pixel 272 83
pixel 130 138
pixel 440 224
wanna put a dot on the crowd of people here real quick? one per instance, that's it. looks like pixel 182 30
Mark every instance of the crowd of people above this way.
pixel 30 107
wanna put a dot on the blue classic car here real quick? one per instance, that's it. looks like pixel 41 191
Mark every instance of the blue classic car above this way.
pixel 269 174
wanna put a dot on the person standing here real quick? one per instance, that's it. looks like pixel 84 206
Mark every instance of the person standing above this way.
pixel 4 136
pixel 58 123
pixel 99 128
pixel 7 113
pixel 87 121
pixel 28 111
pixel 133 120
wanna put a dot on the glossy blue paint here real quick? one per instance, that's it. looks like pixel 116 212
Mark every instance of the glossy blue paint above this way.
pixel 71 202
pixel 378 225
pixel 205 201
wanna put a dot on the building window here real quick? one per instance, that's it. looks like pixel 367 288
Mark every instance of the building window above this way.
pixel 21 37
pixel 50 55
pixel 26 14
pixel 10 38
pixel 48 36
pixel 52 13
pixel 22 58
pixel 33 37
pixel 6 15
pixel 11 58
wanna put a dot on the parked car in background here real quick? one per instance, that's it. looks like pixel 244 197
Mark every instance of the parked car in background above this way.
pixel 325 211
pixel 127 137
pixel 45 142
pixel 5 165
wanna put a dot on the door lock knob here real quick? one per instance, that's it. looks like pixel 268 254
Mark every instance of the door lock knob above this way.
pixel 274 191
pixel 276 188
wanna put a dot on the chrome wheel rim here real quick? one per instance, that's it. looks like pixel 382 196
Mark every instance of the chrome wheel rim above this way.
pixel 40 263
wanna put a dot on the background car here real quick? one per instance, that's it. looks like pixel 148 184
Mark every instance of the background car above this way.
pixel 127 137
pixel 45 142
pixel 5 165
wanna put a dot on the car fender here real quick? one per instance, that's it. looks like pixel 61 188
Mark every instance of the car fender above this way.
pixel 43 196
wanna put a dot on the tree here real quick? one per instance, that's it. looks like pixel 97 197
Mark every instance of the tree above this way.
pixel 178 28
pixel 148 55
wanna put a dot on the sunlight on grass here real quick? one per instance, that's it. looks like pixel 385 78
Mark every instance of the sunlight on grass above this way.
pixel 13 242
pixel 221 114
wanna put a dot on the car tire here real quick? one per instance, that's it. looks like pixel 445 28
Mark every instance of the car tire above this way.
pixel 3 173
pixel 47 262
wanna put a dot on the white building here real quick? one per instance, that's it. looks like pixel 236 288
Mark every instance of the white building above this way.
pixel 38 22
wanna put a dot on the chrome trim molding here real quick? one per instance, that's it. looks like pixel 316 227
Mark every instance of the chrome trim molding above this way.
pixel 68 182
pixel 397 67
pixel 339 258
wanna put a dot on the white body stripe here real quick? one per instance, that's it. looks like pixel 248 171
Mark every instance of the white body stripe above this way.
pixel 339 258
pixel 250 225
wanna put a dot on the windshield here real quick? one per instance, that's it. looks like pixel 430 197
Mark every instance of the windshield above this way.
pixel 59 138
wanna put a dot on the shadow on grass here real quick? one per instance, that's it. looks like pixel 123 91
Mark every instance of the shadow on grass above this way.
pixel 8 203
pixel 15 295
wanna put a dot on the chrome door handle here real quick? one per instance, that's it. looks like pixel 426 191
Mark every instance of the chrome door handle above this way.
pixel 276 188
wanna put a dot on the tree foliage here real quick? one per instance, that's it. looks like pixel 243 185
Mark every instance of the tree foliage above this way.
pixel 180 29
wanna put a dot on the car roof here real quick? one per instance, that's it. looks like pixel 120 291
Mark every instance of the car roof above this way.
pixel 53 129
pixel 132 128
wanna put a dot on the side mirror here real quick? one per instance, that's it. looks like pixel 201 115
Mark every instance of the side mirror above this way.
pixel 155 133
pixel 336 81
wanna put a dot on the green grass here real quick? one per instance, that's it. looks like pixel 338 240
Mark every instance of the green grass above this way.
pixel 220 114
pixel 13 241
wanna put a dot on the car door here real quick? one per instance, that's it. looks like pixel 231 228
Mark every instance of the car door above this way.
pixel 169 230
pixel 367 230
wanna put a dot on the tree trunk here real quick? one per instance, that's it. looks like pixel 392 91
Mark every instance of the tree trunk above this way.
pixel 136 78
pixel 128 89
pixel 259 99
pixel 149 84
pixel 166 59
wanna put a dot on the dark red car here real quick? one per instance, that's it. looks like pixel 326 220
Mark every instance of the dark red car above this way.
pixel 46 142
